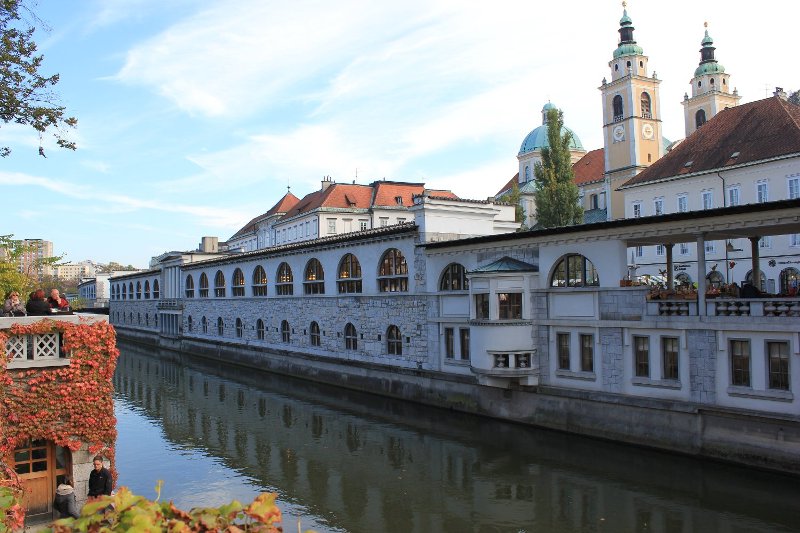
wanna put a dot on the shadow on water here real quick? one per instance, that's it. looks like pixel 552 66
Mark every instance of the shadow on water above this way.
pixel 359 462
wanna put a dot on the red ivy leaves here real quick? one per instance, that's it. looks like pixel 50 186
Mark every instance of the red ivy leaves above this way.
pixel 69 405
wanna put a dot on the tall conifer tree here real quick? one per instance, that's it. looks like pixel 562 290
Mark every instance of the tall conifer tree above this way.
pixel 556 193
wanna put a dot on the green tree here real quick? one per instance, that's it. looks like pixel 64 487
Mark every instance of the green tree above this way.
pixel 11 276
pixel 26 96
pixel 556 193
pixel 114 266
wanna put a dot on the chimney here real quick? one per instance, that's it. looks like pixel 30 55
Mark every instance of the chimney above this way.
pixel 326 182
pixel 780 93
pixel 209 245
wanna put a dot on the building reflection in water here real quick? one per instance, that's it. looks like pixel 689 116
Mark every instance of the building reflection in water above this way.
pixel 358 462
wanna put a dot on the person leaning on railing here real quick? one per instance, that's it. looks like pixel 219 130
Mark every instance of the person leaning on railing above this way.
pixel 13 306
pixel 37 305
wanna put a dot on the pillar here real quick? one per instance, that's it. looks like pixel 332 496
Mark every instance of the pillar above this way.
pixel 754 251
pixel 701 275
pixel 670 267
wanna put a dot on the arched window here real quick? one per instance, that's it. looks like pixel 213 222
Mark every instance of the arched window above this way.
pixel 394 341
pixel 789 280
pixel 684 279
pixel 350 337
pixel 349 280
pixel 203 285
pixel 393 272
pixel 147 289
pixel 237 283
pixel 284 280
pixel 156 289
pixel 314 278
pixel 574 270
pixel 454 278
pixel 130 289
pixel 527 173
pixel 314 334
pixel 220 327
pixel 189 323
pixel 617 105
pixel 646 107
pixel 189 290
pixel 124 292
pixel 204 324
pixel 761 286
pixel 259 281
pixel 130 318
pixel 286 331
pixel 715 279
pixel 260 329
pixel 699 118
pixel 219 284
pixel 146 319
pixel 239 328
pixel 138 290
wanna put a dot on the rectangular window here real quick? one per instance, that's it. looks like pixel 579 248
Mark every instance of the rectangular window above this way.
pixel 762 193
pixel 778 353
pixel 384 222
pixel 684 249
pixel 669 357
pixel 463 334
pixel 401 221
pixel 308 228
pixel 482 306
pixel 587 353
pixel 708 200
pixel 641 356
pixel 740 363
pixel 658 206
pixel 510 305
pixel 659 249
pixel 562 347
pixel 683 204
pixel 331 225
pixel 765 242
pixel 794 239
pixel 639 251
pixel 593 201
pixel 710 247
pixel 363 224
pixel 637 209
pixel 449 343
pixel 794 188
pixel 733 196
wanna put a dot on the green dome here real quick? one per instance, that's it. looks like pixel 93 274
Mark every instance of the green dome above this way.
pixel 628 49
pixel 709 68
pixel 537 138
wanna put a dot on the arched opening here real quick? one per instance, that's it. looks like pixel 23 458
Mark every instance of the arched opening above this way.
pixel 789 281
pixel 574 270
pixel 314 280
pixel 394 341
pixel 219 284
pixel 646 105
pixel 454 278
pixel 349 279
pixel 699 118
pixel 314 334
pixel 189 287
pixel 350 337
pixel 715 279
pixel 393 272
pixel 237 283
pixel 618 110
pixel 203 285
pixel 286 332
pixel 762 286
pixel 284 284
pixel 259 281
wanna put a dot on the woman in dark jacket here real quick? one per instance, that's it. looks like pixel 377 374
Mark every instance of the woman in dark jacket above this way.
pixel 37 305
pixel 65 500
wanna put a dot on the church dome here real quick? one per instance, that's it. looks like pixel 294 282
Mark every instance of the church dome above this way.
pixel 537 138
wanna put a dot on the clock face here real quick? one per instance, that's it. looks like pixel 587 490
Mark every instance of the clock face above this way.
pixel 647 131
pixel 619 133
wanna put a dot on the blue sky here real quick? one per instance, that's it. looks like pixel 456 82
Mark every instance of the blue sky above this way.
pixel 194 115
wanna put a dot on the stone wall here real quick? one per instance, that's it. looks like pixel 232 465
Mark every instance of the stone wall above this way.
pixel 702 365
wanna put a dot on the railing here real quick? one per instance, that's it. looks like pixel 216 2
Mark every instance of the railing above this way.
pixel 672 308
pixel 39 349
pixel 173 304
pixel 751 307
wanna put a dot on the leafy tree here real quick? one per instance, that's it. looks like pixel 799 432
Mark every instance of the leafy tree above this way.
pixel 556 193
pixel 114 266
pixel 795 97
pixel 11 276
pixel 26 96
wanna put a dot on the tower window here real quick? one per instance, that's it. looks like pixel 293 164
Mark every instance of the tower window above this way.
pixel 616 67
pixel 712 81
pixel 646 107
pixel 699 118
pixel 629 64
pixel 641 64
pixel 617 105
pixel 699 83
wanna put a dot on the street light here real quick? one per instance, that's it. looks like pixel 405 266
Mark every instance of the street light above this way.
pixel 728 249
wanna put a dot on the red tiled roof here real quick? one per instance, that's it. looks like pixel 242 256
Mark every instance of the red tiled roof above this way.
pixel 387 192
pixel 337 195
pixel 288 201
pixel 442 194
pixel 508 186
pixel 590 167
pixel 757 131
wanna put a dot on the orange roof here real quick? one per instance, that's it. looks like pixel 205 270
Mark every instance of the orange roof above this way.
pixel 442 194
pixel 288 201
pixel 336 195
pixel 508 186
pixel 387 192
pixel 590 167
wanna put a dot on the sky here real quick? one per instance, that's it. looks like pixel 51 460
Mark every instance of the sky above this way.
pixel 195 115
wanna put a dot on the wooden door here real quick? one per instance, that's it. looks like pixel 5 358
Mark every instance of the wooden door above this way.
pixel 40 464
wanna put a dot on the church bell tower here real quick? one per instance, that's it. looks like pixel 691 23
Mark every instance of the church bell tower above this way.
pixel 631 116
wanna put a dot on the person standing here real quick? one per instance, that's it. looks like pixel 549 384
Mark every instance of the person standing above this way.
pixel 99 480
pixel 57 302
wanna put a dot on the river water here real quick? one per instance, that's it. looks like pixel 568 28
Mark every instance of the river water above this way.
pixel 346 461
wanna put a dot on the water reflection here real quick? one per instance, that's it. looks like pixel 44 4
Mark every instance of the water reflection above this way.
pixel 357 462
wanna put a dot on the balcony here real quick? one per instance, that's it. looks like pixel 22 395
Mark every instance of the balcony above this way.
pixel 170 305
pixel 752 307
pixel 42 349
pixel 521 365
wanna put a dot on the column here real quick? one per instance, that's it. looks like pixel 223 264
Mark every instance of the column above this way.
pixel 754 251
pixel 670 267
pixel 701 275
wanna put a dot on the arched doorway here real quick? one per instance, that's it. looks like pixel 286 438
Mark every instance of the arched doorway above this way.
pixel 790 279
pixel 761 286
pixel 40 465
